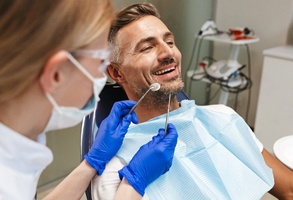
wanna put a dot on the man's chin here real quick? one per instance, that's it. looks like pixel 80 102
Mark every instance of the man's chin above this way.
pixel 174 87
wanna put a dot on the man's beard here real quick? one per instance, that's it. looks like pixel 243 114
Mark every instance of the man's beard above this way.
pixel 157 99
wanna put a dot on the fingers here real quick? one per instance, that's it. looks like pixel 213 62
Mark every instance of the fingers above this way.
pixel 134 117
pixel 172 135
pixel 118 121
pixel 123 106
pixel 171 131
pixel 170 138
pixel 119 110
pixel 157 138
pixel 123 126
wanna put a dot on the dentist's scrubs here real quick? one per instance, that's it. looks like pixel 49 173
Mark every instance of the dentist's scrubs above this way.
pixel 22 160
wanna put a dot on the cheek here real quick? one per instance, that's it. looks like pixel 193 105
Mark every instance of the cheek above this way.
pixel 134 75
pixel 80 91
pixel 138 67
pixel 130 70
pixel 178 55
pixel 86 92
pixel 141 61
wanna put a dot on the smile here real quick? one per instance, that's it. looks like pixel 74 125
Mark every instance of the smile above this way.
pixel 165 71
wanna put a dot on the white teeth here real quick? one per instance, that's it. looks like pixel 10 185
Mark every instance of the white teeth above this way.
pixel 164 71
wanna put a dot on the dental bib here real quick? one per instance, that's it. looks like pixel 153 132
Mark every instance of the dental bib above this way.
pixel 215 157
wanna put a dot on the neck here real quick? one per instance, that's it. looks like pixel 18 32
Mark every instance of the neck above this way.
pixel 147 111
pixel 25 114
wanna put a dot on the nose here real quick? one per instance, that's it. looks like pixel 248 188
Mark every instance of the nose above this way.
pixel 165 52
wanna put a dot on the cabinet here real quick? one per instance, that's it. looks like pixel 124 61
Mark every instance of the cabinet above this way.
pixel 275 103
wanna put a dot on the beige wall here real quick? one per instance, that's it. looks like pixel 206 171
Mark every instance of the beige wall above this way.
pixel 118 4
pixel 270 19
pixel 65 146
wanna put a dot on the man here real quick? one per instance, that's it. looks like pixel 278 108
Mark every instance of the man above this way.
pixel 217 156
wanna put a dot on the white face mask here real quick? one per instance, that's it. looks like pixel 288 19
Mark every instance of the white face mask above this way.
pixel 64 117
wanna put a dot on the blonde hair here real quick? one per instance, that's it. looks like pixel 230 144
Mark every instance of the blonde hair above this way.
pixel 32 30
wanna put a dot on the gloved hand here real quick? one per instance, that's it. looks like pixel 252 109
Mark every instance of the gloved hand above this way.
pixel 151 161
pixel 110 135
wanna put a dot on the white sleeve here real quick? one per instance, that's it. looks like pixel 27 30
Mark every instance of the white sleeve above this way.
pixel 104 187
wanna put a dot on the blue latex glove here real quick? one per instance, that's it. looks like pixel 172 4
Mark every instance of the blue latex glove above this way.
pixel 151 161
pixel 110 135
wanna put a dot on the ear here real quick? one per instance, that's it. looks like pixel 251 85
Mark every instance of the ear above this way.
pixel 50 78
pixel 115 73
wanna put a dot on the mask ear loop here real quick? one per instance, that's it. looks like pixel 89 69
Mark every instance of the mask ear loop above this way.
pixel 80 67
pixel 53 102
pixel 86 73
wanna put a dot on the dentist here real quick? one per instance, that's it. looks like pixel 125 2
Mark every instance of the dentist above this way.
pixel 53 56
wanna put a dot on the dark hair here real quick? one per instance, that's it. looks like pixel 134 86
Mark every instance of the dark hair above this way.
pixel 125 17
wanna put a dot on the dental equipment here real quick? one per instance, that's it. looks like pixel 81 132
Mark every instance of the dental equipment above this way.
pixel 167 115
pixel 154 87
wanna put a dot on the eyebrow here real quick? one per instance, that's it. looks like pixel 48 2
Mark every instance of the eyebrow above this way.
pixel 149 39
pixel 168 34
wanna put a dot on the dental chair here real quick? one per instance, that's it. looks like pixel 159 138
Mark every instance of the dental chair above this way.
pixel 109 95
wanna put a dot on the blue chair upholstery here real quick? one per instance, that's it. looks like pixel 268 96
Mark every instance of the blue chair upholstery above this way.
pixel 109 95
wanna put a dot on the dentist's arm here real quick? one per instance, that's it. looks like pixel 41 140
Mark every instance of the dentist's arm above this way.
pixel 126 192
pixel 75 184
pixel 108 141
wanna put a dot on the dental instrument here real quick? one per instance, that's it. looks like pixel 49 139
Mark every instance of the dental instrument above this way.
pixel 167 115
pixel 154 87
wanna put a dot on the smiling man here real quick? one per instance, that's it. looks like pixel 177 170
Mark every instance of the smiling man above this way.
pixel 147 54
pixel 217 155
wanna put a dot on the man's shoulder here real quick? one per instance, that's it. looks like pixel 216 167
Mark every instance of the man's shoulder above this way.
pixel 218 108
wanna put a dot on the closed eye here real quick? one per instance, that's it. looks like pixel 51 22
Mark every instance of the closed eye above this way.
pixel 170 42
pixel 146 48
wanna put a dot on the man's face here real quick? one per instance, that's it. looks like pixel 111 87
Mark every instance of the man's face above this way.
pixel 149 55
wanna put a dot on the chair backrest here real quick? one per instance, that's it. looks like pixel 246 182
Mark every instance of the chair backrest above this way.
pixel 109 95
